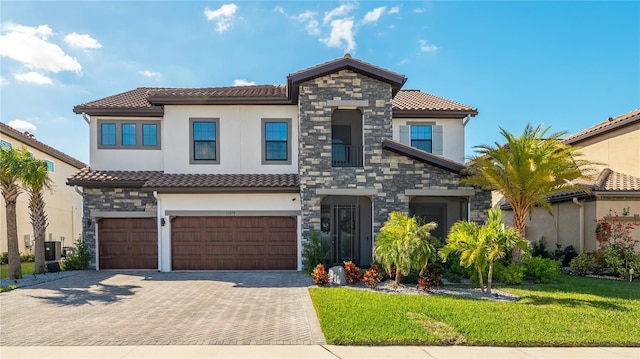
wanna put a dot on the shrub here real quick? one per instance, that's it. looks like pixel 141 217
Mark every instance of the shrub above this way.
pixel 582 264
pixel 4 257
pixel 510 274
pixel 372 276
pixel 352 272
pixel 80 258
pixel 27 257
pixel 313 253
pixel 539 249
pixel 429 278
pixel 412 277
pixel 542 270
pixel 320 275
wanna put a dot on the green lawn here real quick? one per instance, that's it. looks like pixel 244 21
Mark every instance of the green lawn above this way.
pixel 27 268
pixel 576 311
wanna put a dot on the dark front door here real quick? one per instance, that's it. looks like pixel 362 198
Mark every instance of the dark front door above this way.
pixel 346 221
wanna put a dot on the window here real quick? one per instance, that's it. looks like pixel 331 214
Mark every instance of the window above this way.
pixel 129 134
pixel 204 144
pixel 149 135
pixel 425 136
pixel 50 166
pixel 276 146
pixel 4 144
pixel 108 137
pixel 421 137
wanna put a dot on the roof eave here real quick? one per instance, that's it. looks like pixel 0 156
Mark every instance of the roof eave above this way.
pixel 434 113
pixel 601 131
pixel 423 157
pixel 223 189
pixel 118 111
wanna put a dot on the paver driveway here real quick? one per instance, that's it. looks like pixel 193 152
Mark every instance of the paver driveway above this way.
pixel 142 308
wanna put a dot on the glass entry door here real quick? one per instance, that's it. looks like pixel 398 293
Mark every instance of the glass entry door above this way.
pixel 345 236
pixel 345 223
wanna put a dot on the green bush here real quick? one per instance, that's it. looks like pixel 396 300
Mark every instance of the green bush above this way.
pixel 313 253
pixel 4 257
pixel 542 270
pixel 80 259
pixel 582 264
pixel 27 257
pixel 511 274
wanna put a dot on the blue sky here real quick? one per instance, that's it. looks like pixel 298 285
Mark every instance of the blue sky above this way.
pixel 565 64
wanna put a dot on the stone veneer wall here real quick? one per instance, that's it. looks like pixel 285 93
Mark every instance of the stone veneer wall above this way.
pixel 112 200
pixel 388 173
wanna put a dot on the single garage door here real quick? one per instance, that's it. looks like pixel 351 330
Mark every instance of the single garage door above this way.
pixel 128 243
pixel 235 243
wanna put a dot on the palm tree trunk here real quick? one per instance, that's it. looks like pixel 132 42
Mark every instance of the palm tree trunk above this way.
pixel 489 277
pixel 480 279
pixel 519 217
pixel 39 224
pixel 398 276
pixel 15 269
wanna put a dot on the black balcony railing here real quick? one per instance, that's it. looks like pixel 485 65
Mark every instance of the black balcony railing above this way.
pixel 346 155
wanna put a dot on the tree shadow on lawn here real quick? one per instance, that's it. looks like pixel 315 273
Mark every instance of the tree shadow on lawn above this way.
pixel 571 302
pixel 102 293
pixel 604 288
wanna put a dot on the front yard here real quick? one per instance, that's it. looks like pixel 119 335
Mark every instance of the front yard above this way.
pixel 576 311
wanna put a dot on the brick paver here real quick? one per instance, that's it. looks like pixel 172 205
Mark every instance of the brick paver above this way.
pixel 152 308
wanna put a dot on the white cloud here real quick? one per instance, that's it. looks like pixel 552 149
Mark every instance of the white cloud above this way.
pixel 404 61
pixel 341 35
pixel 418 11
pixel 313 26
pixel 4 81
pixel 426 47
pixel 394 10
pixel 243 82
pixel 22 125
pixel 373 15
pixel 341 10
pixel 279 9
pixel 33 78
pixel 28 45
pixel 152 75
pixel 82 41
pixel 222 16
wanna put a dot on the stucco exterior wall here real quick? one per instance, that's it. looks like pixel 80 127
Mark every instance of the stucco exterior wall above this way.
pixel 240 138
pixel 452 134
pixel 618 150
pixel 63 206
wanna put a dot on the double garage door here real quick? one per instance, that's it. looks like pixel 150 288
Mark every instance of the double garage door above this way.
pixel 201 243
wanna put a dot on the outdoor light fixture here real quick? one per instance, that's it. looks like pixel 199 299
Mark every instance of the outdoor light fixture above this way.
pixel 87 222
pixel 162 222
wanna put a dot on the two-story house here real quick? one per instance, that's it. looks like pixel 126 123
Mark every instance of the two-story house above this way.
pixel 63 203
pixel 238 177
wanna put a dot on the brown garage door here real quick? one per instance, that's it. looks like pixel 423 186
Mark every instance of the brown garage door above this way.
pixel 128 243
pixel 246 243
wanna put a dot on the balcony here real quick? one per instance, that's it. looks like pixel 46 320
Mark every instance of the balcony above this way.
pixel 346 155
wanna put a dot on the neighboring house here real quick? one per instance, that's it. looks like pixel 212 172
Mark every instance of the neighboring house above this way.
pixel 615 143
pixel 63 203
pixel 238 177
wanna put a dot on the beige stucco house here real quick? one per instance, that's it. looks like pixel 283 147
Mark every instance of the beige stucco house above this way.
pixel 615 143
pixel 64 204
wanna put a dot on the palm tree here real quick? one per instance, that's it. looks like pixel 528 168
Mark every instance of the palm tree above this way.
pixel 11 167
pixel 529 168
pixel 482 245
pixel 35 178
pixel 404 244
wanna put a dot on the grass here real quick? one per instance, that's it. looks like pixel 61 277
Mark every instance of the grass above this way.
pixel 576 311
pixel 27 268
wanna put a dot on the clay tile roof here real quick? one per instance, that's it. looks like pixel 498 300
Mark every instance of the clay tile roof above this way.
pixel 166 182
pixel 608 125
pixel 416 100
pixel 616 181
pixel 87 177
pixel 233 91
pixel 422 156
pixel 27 139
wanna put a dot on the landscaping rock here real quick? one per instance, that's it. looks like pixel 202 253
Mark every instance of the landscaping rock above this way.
pixel 337 276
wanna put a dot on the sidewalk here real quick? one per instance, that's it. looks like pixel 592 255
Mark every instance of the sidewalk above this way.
pixel 313 352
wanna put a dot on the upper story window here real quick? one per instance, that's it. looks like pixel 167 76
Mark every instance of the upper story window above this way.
pixel 129 134
pixel 204 141
pixel 50 166
pixel 425 136
pixel 421 137
pixel 5 144
pixel 276 141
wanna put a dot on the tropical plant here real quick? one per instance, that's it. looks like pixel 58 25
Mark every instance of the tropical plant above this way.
pixel 528 168
pixel 320 275
pixel 80 258
pixel 313 252
pixel 352 272
pixel 372 276
pixel 481 246
pixel 11 168
pixel 35 179
pixel 404 244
